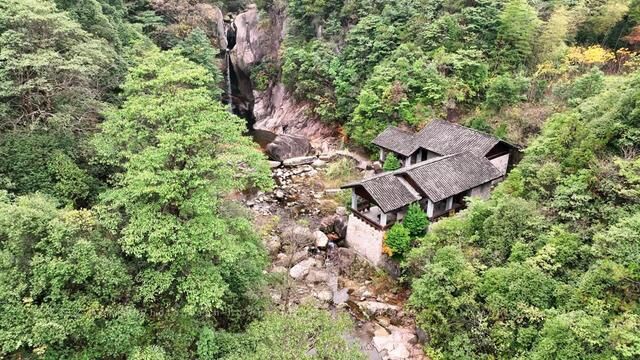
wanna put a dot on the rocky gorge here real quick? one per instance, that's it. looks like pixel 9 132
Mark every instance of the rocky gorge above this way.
pixel 303 224
pixel 252 38
pixel 303 220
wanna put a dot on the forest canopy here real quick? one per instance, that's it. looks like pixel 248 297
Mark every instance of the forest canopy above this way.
pixel 120 166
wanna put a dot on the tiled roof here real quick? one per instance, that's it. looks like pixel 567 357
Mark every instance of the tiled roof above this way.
pixel 438 136
pixel 388 191
pixel 452 175
pixel 437 178
pixel 396 139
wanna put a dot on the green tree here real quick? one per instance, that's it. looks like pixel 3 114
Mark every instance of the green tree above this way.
pixel 391 163
pixel 54 74
pixel 405 88
pixel 550 45
pixel 50 162
pixel 516 34
pixel 181 153
pixel 415 220
pixel 102 18
pixel 505 90
pixel 307 72
pixel 397 240
pixel 367 43
pixel 64 287
pixel 304 333
pixel 444 299
pixel 197 48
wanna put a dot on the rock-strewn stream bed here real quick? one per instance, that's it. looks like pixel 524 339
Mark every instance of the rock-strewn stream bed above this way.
pixel 303 226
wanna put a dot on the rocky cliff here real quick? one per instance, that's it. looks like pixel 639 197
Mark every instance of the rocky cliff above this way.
pixel 257 36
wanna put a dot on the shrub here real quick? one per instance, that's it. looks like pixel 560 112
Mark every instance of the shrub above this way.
pixel 582 87
pixel 416 220
pixel 391 163
pixel 480 123
pixel 505 90
pixel 397 240
pixel 339 172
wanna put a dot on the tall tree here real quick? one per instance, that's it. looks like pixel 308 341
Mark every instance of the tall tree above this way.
pixel 550 45
pixel 181 154
pixel 52 73
pixel 63 285
pixel 516 33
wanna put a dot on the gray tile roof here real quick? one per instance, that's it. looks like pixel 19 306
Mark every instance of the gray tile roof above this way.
pixel 388 191
pixel 437 178
pixel 396 139
pixel 438 136
pixel 451 175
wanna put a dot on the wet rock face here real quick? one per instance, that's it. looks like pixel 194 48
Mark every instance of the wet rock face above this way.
pixel 287 146
pixel 257 38
pixel 276 110
pixel 254 38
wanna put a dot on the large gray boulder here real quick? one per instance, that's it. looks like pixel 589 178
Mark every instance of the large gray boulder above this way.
pixel 301 269
pixel 288 146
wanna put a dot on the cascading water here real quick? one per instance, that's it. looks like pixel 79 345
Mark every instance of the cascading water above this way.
pixel 229 94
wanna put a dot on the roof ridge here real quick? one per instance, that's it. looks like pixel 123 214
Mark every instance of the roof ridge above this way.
pixel 477 131
pixel 468 128
pixel 405 169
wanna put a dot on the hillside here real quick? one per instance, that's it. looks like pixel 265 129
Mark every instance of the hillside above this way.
pixel 141 218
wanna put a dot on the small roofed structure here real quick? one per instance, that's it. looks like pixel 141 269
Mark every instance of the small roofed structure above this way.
pixel 441 138
pixel 439 185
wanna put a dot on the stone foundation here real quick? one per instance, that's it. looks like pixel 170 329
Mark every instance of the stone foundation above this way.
pixel 365 240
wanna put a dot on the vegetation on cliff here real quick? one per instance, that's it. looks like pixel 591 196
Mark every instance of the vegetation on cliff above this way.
pixel 119 237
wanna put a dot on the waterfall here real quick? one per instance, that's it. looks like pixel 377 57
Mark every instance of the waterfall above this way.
pixel 229 95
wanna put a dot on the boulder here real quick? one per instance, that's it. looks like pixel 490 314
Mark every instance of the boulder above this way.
pixel 274 164
pixel 273 245
pixel 301 269
pixel 252 42
pixel 316 276
pixel 288 146
pixel 279 194
pixel 299 256
pixel 382 343
pixel 341 296
pixel 297 161
pixel 319 163
pixel 278 269
pixel 340 226
pixel 324 295
pixel 326 224
pixel 321 239
pixel 277 110
pixel 400 352
pixel 346 257
pixel 341 210
pixel 376 308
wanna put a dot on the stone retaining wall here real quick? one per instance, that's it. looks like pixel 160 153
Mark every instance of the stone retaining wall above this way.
pixel 365 240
